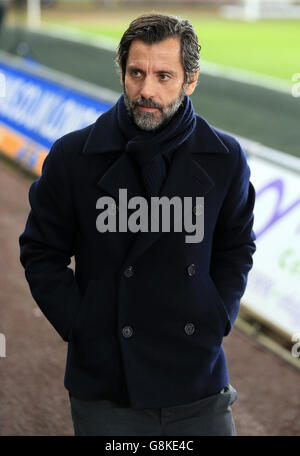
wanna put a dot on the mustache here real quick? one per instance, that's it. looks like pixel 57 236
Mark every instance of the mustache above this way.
pixel 141 101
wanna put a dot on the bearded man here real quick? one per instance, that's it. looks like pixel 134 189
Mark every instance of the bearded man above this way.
pixel 145 313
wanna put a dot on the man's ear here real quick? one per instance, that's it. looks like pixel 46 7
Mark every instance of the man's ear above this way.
pixel 121 79
pixel 192 83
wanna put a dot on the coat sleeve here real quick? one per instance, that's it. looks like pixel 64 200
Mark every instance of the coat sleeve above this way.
pixel 47 244
pixel 233 244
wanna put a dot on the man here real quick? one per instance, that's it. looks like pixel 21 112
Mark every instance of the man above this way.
pixel 146 312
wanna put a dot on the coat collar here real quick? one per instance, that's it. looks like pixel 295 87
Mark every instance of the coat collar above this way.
pixel 186 177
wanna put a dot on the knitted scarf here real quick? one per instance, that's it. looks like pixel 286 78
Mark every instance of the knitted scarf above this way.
pixel 148 148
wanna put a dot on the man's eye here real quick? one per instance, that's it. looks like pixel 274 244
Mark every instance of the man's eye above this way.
pixel 135 72
pixel 164 77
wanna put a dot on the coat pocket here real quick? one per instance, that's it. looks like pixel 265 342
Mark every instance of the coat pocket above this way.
pixel 93 344
pixel 218 301
pixel 80 320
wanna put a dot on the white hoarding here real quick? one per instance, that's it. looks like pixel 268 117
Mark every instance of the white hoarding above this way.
pixel 273 290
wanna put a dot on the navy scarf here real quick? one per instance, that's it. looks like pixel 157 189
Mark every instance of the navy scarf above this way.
pixel 147 148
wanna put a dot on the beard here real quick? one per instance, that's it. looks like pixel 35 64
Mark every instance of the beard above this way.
pixel 148 120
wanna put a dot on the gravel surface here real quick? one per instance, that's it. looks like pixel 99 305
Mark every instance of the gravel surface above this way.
pixel 33 400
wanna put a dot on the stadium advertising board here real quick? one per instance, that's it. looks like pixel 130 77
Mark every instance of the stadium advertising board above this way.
pixel 273 283
pixel 34 112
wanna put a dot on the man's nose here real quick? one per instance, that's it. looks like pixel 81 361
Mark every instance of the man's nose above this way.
pixel 148 88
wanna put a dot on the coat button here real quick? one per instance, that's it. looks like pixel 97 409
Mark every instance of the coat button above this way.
pixel 127 331
pixel 189 329
pixel 191 270
pixel 129 272
pixel 198 209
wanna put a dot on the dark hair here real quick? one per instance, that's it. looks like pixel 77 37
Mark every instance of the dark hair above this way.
pixel 153 28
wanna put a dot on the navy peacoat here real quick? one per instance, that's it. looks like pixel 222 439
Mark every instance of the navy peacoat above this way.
pixel 145 313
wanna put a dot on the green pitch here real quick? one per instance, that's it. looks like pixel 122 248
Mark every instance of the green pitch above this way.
pixel 268 47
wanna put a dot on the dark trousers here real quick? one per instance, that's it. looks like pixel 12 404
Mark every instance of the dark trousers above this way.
pixel 209 416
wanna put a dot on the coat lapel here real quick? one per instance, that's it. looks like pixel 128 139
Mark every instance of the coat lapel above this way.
pixel 186 178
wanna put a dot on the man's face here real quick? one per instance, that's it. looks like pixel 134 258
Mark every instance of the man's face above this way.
pixel 154 82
